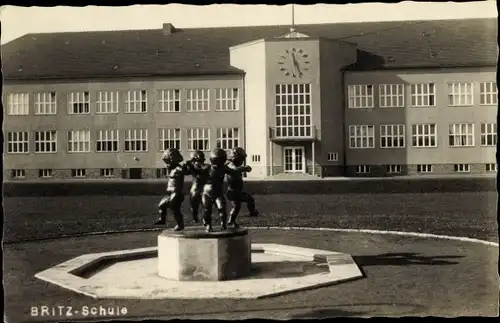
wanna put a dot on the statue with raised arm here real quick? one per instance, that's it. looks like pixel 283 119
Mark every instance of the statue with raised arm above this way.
pixel 235 193
pixel 174 196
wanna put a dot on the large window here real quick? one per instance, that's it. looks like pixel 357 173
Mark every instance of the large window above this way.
pixel 169 138
pixel 488 134
pixel 18 104
pixel 361 136
pixel 107 102
pixel 391 95
pixel 107 140
pixel 293 110
pixel 461 135
pixel 360 96
pixel 46 141
pixel 424 135
pixel 170 100
pixel 79 141
pixel 228 138
pixel 460 94
pixel 136 140
pixel 424 168
pixel 197 100
pixel 45 103
pixel 18 142
pixel 226 99
pixel 423 95
pixel 461 168
pixel 392 136
pixel 136 101
pixel 78 103
pixel 198 139
pixel 488 93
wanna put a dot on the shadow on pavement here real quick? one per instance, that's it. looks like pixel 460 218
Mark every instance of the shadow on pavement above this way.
pixel 327 313
pixel 404 259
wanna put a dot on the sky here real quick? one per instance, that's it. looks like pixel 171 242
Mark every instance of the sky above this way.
pixel 18 21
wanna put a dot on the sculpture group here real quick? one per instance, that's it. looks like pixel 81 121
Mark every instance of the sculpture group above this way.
pixel 207 188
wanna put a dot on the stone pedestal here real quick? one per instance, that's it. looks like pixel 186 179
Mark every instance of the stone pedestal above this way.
pixel 195 255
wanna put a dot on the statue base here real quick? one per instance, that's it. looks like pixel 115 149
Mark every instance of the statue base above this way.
pixel 196 255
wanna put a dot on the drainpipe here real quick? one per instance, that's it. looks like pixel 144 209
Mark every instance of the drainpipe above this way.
pixel 344 145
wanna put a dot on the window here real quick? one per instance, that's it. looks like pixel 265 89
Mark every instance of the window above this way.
pixel 18 142
pixel 161 172
pixel 170 100
pixel 361 136
pixel 169 138
pixel 491 167
pixel 46 141
pixel 107 141
pixel 362 169
pixel 423 95
pixel 293 110
pixel 461 168
pixel 107 172
pixel 136 140
pixel 45 103
pixel 333 156
pixel 488 134
pixel 460 94
pixel 228 138
pixel 424 168
pixel 393 169
pixel 78 103
pixel 392 136
pixel 45 173
pixel 488 93
pixel 136 101
pixel 78 173
pixel 18 173
pixel 256 159
pixel 197 100
pixel 18 104
pixel 424 135
pixel 461 135
pixel 226 100
pixel 391 95
pixel 360 96
pixel 107 102
pixel 198 139
pixel 79 141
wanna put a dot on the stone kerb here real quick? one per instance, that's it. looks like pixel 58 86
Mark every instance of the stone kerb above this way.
pixel 194 255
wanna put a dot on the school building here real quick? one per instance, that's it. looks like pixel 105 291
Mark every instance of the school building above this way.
pixel 347 99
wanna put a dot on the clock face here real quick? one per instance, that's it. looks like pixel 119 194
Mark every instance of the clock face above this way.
pixel 294 62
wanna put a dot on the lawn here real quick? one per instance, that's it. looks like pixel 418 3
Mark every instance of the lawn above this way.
pixel 470 214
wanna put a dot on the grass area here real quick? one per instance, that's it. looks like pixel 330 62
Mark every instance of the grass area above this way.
pixel 470 214
pixel 404 277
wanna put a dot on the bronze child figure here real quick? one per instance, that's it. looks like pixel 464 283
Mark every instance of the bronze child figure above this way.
pixel 195 166
pixel 213 190
pixel 174 195
pixel 235 192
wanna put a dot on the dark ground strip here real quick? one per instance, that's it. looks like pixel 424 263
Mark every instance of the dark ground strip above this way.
pixel 405 276
pixel 469 214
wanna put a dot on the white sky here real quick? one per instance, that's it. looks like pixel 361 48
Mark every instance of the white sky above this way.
pixel 18 21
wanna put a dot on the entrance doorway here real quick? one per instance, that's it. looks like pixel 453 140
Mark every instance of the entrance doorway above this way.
pixel 135 173
pixel 294 159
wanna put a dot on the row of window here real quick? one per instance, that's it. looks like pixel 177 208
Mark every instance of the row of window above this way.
pixel 135 140
pixel 421 95
pixel 360 169
pixel 422 135
pixel 425 168
pixel 136 101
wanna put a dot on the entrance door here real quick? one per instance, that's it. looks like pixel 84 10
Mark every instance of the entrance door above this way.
pixel 294 158
pixel 135 173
